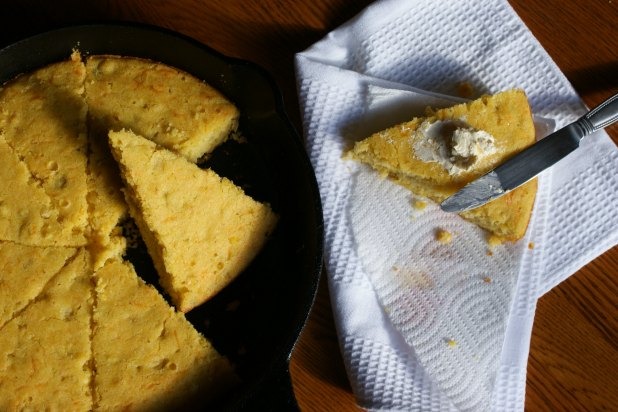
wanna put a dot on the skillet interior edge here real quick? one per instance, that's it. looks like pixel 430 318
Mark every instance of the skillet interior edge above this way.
pixel 255 321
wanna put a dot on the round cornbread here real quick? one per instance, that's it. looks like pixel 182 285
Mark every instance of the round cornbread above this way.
pixel 79 329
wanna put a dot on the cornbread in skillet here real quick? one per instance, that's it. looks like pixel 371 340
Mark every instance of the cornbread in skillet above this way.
pixel 106 205
pixel 43 119
pixel 27 213
pixel 168 106
pixel 64 343
pixel 148 356
pixel 24 271
pixel 200 229
pixel 45 354
pixel 395 152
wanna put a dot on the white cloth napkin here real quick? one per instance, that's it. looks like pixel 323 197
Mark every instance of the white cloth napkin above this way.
pixel 426 326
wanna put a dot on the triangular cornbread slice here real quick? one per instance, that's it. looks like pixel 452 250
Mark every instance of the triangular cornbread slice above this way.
pixel 506 116
pixel 24 271
pixel 148 356
pixel 27 213
pixel 159 102
pixel 200 229
pixel 106 205
pixel 45 351
pixel 43 118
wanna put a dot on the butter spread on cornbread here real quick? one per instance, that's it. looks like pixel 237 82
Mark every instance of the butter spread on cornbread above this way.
pixel 45 351
pixel 200 229
pixel 505 116
pixel 452 144
pixel 147 355
pixel 24 271
pixel 161 103
pixel 43 118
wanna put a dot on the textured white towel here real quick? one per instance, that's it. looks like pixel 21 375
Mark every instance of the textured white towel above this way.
pixel 420 325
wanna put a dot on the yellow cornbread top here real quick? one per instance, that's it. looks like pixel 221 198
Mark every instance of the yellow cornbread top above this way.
pixel 45 357
pixel 505 116
pixel 161 103
pixel 43 119
pixel 24 272
pixel 27 213
pixel 147 355
pixel 61 207
pixel 200 229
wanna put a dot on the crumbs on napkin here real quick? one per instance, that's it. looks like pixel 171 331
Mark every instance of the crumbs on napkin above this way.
pixel 444 236
pixel 451 342
pixel 465 89
pixel 419 204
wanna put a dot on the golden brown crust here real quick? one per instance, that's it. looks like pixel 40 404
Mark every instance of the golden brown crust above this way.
pixel 168 106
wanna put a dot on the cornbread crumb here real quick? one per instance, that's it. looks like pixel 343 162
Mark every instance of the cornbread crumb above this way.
pixel 487 279
pixel 444 236
pixel 451 342
pixel 531 245
pixel 419 204
pixel 465 90
pixel 493 240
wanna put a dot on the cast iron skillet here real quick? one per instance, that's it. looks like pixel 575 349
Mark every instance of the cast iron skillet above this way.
pixel 256 320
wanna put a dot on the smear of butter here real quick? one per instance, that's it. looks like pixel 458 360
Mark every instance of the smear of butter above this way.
pixel 453 144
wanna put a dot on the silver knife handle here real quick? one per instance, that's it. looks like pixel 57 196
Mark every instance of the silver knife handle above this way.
pixel 601 116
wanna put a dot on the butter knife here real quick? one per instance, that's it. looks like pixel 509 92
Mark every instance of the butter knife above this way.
pixel 530 162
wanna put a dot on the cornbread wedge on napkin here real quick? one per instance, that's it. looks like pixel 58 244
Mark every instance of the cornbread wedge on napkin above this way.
pixel 43 119
pixel 147 355
pixel 168 106
pixel 506 116
pixel 45 356
pixel 200 229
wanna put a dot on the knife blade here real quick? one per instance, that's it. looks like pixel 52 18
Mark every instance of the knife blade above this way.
pixel 530 162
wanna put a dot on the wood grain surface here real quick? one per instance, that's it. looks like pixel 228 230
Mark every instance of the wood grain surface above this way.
pixel 573 363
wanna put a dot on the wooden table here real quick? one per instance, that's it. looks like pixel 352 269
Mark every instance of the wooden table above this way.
pixel 573 357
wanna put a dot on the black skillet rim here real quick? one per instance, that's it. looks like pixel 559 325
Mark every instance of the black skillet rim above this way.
pixel 272 389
